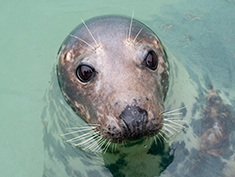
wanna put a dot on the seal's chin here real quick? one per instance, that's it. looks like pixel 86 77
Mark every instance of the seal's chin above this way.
pixel 134 124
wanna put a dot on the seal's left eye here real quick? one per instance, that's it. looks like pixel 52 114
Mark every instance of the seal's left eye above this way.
pixel 151 60
pixel 85 73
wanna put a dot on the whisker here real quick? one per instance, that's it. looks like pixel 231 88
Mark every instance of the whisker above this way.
pixel 76 139
pixel 169 131
pixel 160 133
pixel 83 41
pixel 86 137
pixel 81 130
pixel 173 122
pixel 87 127
pixel 98 145
pixel 173 118
pixel 102 143
pixel 130 27
pixel 90 33
pixel 106 146
pixel 95 143
pixel 92 142
pixel 138 42
pixel 179 113
pixel 159 139
pixel 176 121
pixel 97 125
pixel 81 136
pixel 167 113
pixel 155 140
pixel 84 142
pixel 137 35
pixel 172 127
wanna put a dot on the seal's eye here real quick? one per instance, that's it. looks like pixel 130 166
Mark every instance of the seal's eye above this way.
pixel 151 60
pixel 85 73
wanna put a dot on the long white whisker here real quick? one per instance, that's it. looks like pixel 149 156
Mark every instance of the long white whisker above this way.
pixel 102 143
pixel 177 121
pixel 95 143
pixel 84 142
pixel 92 142
pixel 82 41
pixel 172 127
pixel 138 41
pixel 155 140
pixel 160 133
pixel 106 146
pixel 78 138
pixel 90 32
pixel 96 125
pixel 169 131
pixel 166 113
pixel 159 139
pixel 101 140
pixel 173 118
pixel 137 35
pixel 112 146
pixel 173 122
pixel 88 134
pixel 179 113
pixel 98 144
pixel 130 27
pixel 81 130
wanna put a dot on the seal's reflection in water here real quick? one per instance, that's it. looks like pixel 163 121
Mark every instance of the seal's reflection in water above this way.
pixel 143 158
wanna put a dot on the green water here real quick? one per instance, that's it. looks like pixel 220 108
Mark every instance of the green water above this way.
pixel 200 34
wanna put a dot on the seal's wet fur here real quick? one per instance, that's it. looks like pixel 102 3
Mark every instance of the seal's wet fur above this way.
pixel 125 97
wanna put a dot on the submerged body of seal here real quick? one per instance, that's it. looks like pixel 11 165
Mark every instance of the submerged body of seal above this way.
pixel 113 72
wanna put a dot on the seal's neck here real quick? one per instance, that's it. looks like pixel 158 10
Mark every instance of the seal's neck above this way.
pixel 144 156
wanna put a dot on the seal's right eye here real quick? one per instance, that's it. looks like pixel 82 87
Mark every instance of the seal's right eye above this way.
pixel 85 73
pixel 151 60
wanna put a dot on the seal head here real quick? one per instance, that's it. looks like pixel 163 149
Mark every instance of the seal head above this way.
pixel 113 72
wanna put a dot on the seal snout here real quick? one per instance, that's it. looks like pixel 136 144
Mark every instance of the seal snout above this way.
pixel 134 121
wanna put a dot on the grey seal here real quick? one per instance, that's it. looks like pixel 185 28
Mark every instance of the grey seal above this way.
pixel 113 72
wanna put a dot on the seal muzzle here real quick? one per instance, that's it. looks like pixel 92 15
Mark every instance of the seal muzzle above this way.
pixel 134 119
